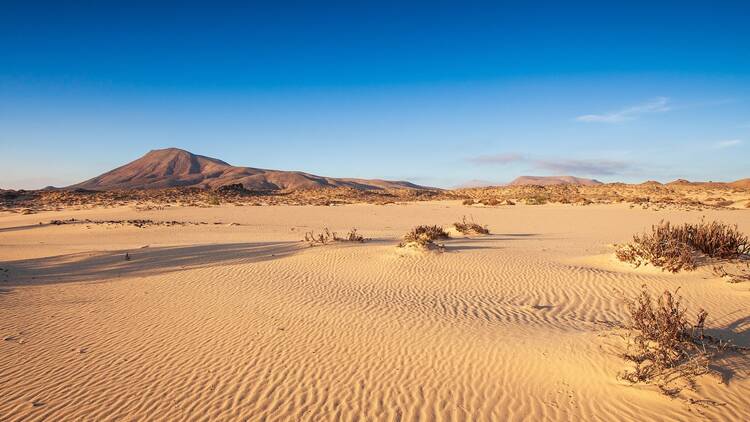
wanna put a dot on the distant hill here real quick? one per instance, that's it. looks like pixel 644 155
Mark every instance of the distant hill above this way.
pixel 553 180
pixel 740 184
pixel 173 167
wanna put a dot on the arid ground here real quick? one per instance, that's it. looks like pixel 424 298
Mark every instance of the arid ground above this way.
pixel 237 319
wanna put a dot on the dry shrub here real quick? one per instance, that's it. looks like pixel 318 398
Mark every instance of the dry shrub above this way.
pixel 674 248
pixel 664 346
pixel 468 202
pixel 424 236
pixel 322 238
pixel 326 236
pixel 536 200
pixel 354 236
pixel 470 227
pixel 214 200
pixel 490 202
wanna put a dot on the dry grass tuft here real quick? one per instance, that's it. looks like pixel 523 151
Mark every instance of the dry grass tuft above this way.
pixel 470 227
pixel 326 236
pixel 354 236
pixel 664 346
pixel 675 248
pixel 424 237
pixel 738 273
pixel 322 238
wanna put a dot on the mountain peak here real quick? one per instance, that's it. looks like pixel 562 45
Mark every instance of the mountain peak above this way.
pixel 172 167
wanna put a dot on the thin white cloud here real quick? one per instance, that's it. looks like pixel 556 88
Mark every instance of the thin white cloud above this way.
pixel 497 159
pixel 584 167
pixel 656 105
pixel 592 167
pixel 728 144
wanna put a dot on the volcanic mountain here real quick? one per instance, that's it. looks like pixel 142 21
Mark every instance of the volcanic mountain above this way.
pixel 171 167
pixel 553 180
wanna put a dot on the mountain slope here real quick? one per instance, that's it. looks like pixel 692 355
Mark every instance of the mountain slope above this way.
pixel 173 167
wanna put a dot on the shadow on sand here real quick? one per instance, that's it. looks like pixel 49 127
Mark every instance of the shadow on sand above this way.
pixel 99 266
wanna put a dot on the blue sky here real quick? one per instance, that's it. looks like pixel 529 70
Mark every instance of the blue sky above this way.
pixel 439 93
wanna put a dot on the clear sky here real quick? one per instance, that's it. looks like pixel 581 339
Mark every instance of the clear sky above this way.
pixel 438 93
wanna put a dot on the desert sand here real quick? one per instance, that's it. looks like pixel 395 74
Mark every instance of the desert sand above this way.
pixel 239 320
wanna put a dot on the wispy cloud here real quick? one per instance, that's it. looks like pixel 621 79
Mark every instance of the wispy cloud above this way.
pixel 585 167
pixel 589 167
pixel 495 159
pixel 656 105
pixel 728 144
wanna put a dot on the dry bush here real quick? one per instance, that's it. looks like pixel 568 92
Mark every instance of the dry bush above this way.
pixel 468 202
pixel 664 346
pixel 717 240
pixel 658 250
pixel 354 236
pixel 214 200
pixel 536 200
pixel 490 202
pixel 674 248
pixel 470 227
pixel 327 236
pixel 322 238
pixel 424 236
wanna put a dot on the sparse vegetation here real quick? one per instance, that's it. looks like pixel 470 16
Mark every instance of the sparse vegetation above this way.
pixel 424 237
pixel 664 345
pixel 470 227
pixel 468 202
pixel 674 248
pixel 491 202
pixel 214 200
pixel 321 238
pixel 652 194
pixel 738 274
pixel 354 236
pixel 326 236
pixel 539 200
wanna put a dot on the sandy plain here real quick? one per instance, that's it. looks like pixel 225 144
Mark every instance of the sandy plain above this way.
pixel 237 319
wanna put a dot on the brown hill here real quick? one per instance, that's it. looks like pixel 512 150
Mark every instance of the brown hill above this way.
pixel 553 180
pixel 173 167
pixel 741 184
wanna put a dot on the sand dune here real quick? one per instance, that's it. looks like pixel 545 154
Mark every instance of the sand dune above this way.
pixel 229 322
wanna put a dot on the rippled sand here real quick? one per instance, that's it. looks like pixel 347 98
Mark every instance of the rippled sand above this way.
pixel 241 320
